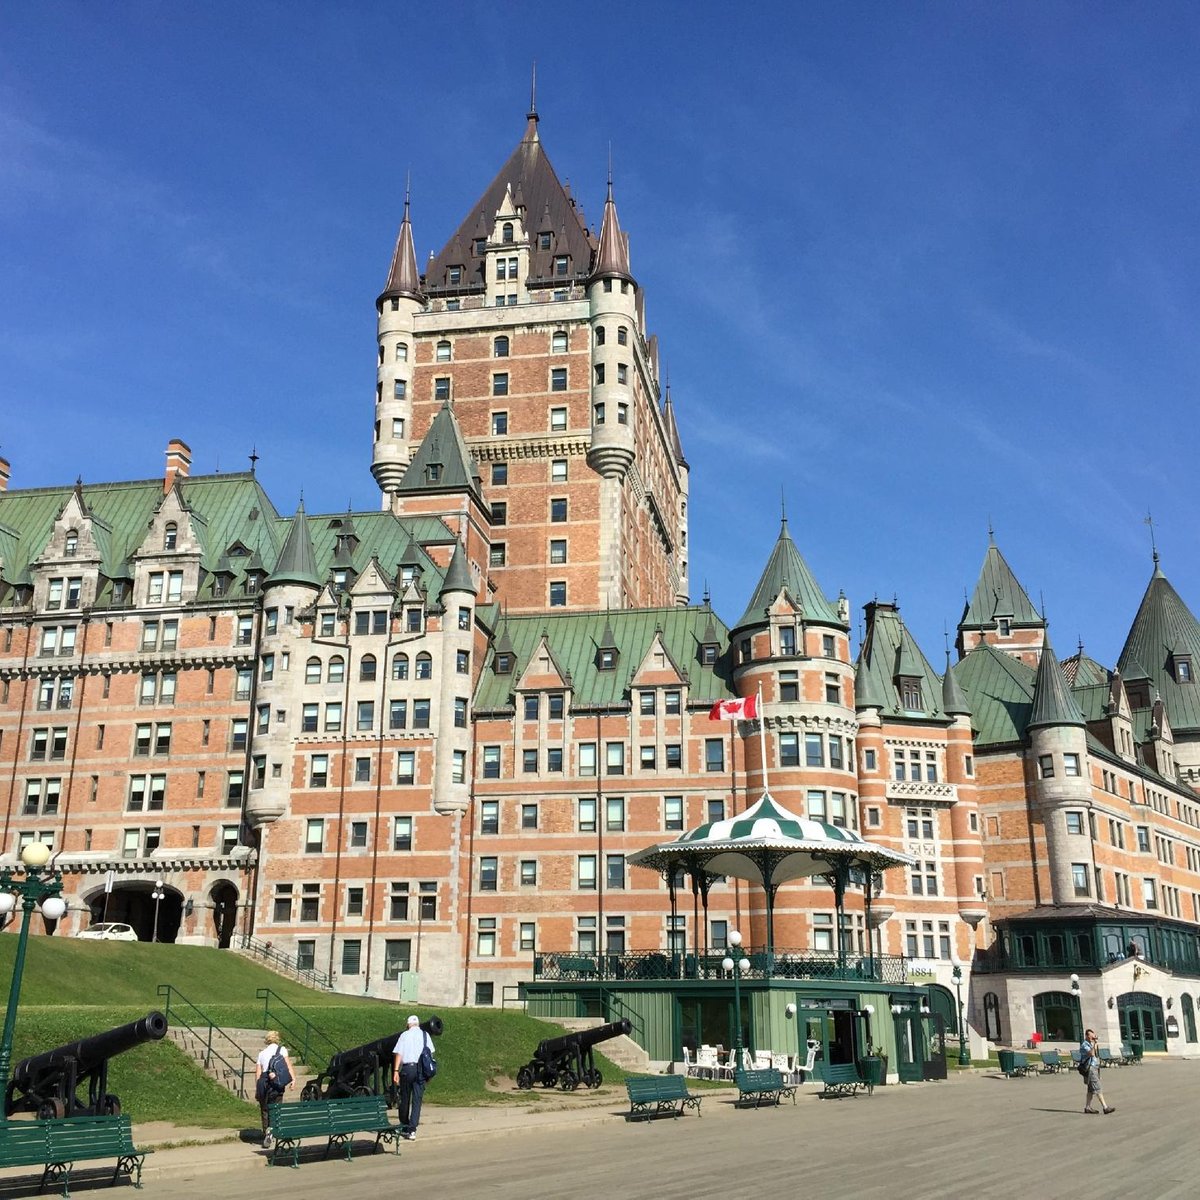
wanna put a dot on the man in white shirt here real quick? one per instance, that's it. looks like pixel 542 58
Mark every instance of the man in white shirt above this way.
pixel 266 1090
pixel 406 1071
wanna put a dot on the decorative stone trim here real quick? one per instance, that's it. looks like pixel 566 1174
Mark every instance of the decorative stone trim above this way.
pixel 927 793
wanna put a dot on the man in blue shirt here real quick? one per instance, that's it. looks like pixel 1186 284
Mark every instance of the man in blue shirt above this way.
pixel 1089 1056
pixel 406 1071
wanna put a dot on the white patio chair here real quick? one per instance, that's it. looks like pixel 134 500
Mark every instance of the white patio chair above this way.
pixel 747 1061
pixel 706 1062
pixel 762 1060
pixel 781 1063
pixel 689 1067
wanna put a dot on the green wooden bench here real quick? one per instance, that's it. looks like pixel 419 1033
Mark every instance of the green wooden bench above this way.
pixel 59 1144
pixel 654 1095
pixel 843 1079
pixel 337 1120
pixel 1052 1062
pixel 764 1083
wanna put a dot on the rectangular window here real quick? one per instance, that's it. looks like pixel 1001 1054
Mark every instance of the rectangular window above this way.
pixel 333 717
pixel 529 762
pixel 558 509
pixel 789 749
pixel 485 944
pixel 526 935
pixel 351 956
pixel 714 810
pixel 671 702
pixel 406 767
pixel 614 814
pixel 398 902
pixel 672 813
pixel 558 466
pixel 789 686
pixel 1071 764
pixel 1074 822
pixel 558 594
pixel 587 816
pixel 714 754
pixel 587 872
pixel 314 836
pixel 1079 879
pixel 614 871
pixel 814 750
pixel 587 758
pixel 614 758
pixel 647 756
pixel 488 869
pixel 558 551
pixel 420 713
pixel 529 872
pixel 558 379
pixel 673 752
pixel 529 816
pixel 1046 766
pixel 441 388
pixel 397 954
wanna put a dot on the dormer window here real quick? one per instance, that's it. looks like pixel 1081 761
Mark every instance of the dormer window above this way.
pixel 544 240
pixel 71 543
pixel 454 276
pixel 562 265
pixel 708 654
pixel 606 659
pixel 1005 627
pixel 170 536
pixel 340 575
pixel 433 472
pixel 506 233
pixel 503 664
pixel 910 693
pixel 787 640
pixel 1183 668
pixel 481 246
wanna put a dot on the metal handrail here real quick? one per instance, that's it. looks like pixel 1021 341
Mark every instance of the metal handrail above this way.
pixel 613 1003
pixel 206 1030
pixel 301 1033
pixel 289 962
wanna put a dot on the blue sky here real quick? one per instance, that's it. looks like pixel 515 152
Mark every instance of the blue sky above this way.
pixel 919 267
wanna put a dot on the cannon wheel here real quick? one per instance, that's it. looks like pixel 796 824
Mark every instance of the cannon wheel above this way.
pixel 525 1079
pixel 593 1078
pixel 362 1090
pixel 111 1106
pixel 568 1081
pixel 311 1091
pixel 51 1110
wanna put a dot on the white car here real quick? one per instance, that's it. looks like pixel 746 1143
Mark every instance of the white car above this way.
pixel 109 932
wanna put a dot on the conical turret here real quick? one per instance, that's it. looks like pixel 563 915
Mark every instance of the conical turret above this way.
pixel 954 700
pixel 1053 703
pixel 612 256
pixel 297 563
pixel 403 278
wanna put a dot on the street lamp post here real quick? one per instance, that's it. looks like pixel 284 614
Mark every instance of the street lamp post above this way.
pixel 964 1055
pixel 30 888
pixel 157 895
pixel 737 967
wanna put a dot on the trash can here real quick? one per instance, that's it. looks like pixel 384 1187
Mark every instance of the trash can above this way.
pixel 1137 1048
pixel 870 1070
pixel 1006 1060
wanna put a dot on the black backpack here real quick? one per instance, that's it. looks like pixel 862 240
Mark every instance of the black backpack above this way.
pixel 278 1071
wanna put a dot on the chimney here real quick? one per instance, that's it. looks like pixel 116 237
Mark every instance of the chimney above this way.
pixel 3 474
pixel 179 463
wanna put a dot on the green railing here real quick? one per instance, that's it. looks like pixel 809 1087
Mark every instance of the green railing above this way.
pixel 219 1047
pixel 288 963
pixel 649 965
pixel 553 1006
pixel 302 1037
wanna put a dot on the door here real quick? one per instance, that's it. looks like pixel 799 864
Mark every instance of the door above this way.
pixel 910 1046
pixel 1141 1018
pixel 816 1034
pixel 933 1029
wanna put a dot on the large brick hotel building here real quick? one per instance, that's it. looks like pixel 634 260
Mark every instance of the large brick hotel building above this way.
pixel 418 742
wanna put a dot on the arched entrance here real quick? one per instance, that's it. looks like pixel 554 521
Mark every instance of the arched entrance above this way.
pixel 224 897
pixel 133 903
pixel 1141 1015
pixel 942 1002
pixel 1056 1016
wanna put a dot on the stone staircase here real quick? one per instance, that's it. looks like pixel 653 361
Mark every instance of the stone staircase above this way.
pixel 229 1045
pixel 623 1050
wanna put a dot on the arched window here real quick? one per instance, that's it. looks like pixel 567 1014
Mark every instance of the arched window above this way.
pixel 991 1017
pixel 622 335
pixel 400 666
pixel 337 669
pixel 424 666
pixel 1189 1017
pixel 500 347
pixel 71 542
pixel 170 535
pixel 558 342
pixel 366 668
pixel 443 351
pixel 312 671
pixel 506 232
pixel 401 352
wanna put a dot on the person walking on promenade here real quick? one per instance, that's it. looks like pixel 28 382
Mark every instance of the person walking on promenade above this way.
pixel 408 1073
pixel 272 1078
pixel 1089 1057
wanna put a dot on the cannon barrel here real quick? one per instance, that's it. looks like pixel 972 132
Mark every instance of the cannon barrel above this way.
pixel 582 1040
pixel 362 1070
pixel 90 1052
pixel 381 1049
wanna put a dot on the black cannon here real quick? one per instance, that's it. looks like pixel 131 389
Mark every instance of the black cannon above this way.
pixel 48 1084
pixel 567 1061
pixel 364 1070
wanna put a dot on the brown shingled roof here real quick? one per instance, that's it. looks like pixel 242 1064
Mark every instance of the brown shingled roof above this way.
pixel 548 209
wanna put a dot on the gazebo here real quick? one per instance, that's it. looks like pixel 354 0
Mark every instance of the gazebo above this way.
pixel 770 846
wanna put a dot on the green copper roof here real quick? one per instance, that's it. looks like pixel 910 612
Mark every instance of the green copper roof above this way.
pixel 954 702
pixel 787 571
pixel 887 648
pixel 1163 630
pixel 442 461
pixel 458 573
pixel 998 594
pixel 1000 690
pixel 297 563
pixel 574 638
pixel 1053 703
pixel 1082 671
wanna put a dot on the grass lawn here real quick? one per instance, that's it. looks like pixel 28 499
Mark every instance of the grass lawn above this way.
pixel 74 988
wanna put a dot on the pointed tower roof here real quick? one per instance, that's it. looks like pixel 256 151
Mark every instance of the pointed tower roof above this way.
pixel 528 171
pixel 1053 703
pixel 866 686
pixel 909 660
pixel 954 700
pixel 998 594
pixel 1163 632
pixel 673 430
pixel 458 573
pixel 785 569
pixel 403 278
pixel 612 256
pixel 891 653
pixel 442 461
pixel 297 562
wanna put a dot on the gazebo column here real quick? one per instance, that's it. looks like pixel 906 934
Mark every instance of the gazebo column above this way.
pixel 868 896
pixel 671 892
pixel 839 876
pixel 705 883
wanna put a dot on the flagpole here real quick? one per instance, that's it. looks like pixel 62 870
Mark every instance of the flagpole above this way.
pixel 762 740
pixel 737 888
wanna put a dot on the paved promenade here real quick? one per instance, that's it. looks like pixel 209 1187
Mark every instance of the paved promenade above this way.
pixel 972 1136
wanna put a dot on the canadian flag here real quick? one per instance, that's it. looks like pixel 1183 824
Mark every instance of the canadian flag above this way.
pixel 731 710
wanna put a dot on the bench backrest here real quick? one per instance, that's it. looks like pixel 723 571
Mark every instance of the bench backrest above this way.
pixel 67 1137
pixel 655 1087
pixel 335 1116
pixel 1050 1058
pixel 839 1072
pixel 764 1077
pixel 1020 1061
